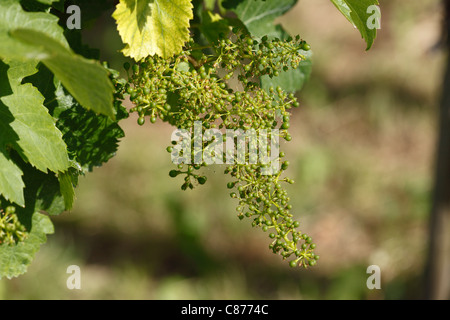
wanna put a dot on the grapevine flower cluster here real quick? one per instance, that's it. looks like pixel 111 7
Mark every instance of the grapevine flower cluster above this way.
pixel 221 89
pixel 11 230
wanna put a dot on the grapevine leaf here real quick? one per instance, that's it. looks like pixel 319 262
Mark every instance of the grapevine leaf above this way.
pixel 34 134
pixel 11 184
pixel 42 191
pixel 12 16
pixel 79 80
pixel 343 8
pixel 67 190
pixel 356 11
pixel 44 40
pixel 15 259
pixel 258 16
pixel 149 27
pixel 91 139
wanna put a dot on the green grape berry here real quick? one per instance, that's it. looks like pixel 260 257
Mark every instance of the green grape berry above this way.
pixel 174 173
pixel 201 180
pixel 306 47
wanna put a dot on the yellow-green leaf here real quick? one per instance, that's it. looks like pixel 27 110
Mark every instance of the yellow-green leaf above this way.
pixel 150 27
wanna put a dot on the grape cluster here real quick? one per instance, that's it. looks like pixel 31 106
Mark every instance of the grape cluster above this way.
pixel 264 57
pixel 11 230
pixel 220 89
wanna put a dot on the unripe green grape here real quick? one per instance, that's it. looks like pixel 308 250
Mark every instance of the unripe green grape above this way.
pixel 306 47
pixel 174 173
pixel 285 165
pixel 133 95
pixel 10 210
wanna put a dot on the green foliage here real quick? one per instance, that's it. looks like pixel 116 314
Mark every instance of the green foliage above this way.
pixel 258 15
pixel 12 17
pixel 40 160
pixel 11 183
pixel 91 139
pixel 43 40
pixel 78 81
pixel 60 107
pixel 41 145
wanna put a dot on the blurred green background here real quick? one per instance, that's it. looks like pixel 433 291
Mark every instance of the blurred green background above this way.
pixel 362 157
